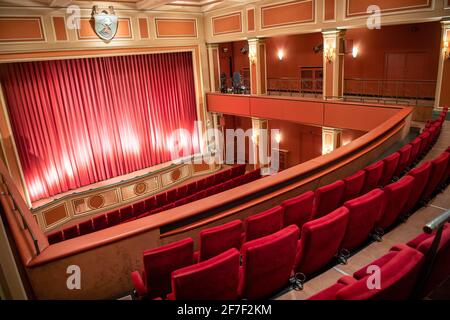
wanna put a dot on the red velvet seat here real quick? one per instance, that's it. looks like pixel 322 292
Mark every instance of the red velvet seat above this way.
pixel 216 240
pixel 159 264
pixel 86 227
pixel 327 198
pixel 71 232
pixel 425 145
pixel 213 279
pixel 353 185
pixel 139 208
pixel 364 212
pixel 237 170
pixel 113 218
pixel 415 149
pixel 267 263
pixel 100 222
pixel 421 175
pixel 298 210
pixel 440 270
pixel 405 153
pixel 172 195
pixel 126 214
pixel 396 195
pixel 201 185
pixel 390 167
pixel 209 181
pixel 438 170
pixel 374 173
pixel 320 240
pixel 264 223
pixel 161 199
pixel 182 191
pixel 55 237
pixel 150 204
pixel 398 271
pixel 191 188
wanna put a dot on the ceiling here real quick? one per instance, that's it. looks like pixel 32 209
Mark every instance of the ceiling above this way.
pixel 176 5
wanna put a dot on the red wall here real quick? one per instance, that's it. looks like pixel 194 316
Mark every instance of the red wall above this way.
pixel 374 45
pixel 298 52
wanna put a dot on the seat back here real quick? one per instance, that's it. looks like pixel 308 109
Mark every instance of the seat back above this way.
pixel 327 198
pixel 113 218
pixel 398 277
pixel 396 194
pixel 100 222
pixel 390 167
pixel 55 237
pixel 71 232
pixel 264 223
pixel 320 241
pixel 267 263
pixel 353 185
pixel 373 176
pixel 126 213
pixel 139 208
pixel 213 279
pixel 172 195
pixel 440 269
pixel 405 153
pixel 415 149
pixel 421 175
pixel 426 141
pixel 215 240
pixel 161 199
pixel 298 210
pixel 438 170
pixel 159 264
pixel 363 214
pixel 86 227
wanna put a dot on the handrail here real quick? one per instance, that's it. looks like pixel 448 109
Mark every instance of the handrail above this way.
pixel 15 207
pixel 435 225
pixel 437 222
pixel 389 80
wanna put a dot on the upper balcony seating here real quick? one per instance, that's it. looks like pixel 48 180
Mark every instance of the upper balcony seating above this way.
pixel 216 240
pixel 364 212
pixel 327 198
pixel 374 173
pixel 264 223
pixel 398 271
pixel 298 210
pixel 214 279
pixel 390 167
pixel 320 241
pixel 353 185
pixel 267 263
pixel 71 232
pixel 395 197
pixel 159 264
pixel 345 228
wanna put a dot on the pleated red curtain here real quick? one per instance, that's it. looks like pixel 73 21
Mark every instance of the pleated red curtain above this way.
pixel 80 121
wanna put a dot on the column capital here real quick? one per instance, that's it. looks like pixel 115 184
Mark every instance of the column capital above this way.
pixel 212 45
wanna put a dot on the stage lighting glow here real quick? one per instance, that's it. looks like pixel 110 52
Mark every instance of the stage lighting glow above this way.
pixel 36 189
pixel 130 143
pixel 52 175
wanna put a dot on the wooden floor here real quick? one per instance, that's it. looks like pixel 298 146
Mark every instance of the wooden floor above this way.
pixel 401 234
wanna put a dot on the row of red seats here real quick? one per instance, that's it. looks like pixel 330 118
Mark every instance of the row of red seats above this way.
pixel 321 238
pixel 400 271
pixel 193 191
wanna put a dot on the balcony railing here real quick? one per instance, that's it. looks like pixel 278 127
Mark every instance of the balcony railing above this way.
pixel 295 86
pixel 410 92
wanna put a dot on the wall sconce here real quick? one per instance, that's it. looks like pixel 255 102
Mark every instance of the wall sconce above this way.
pixel 278 137
pixel 280 54
pixel 252 55
pixel 355 52
pixel 329 52
pixel 446 49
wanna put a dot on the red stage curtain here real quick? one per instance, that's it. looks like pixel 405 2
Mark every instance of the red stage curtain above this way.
pixel 80 121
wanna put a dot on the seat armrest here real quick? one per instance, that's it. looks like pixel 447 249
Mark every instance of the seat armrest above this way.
pixel 138 284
